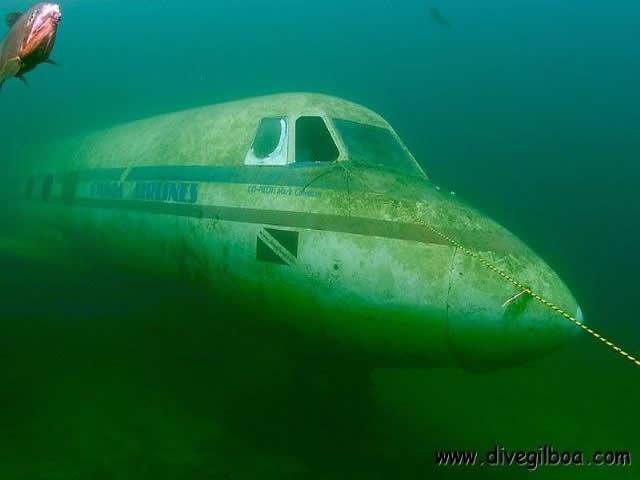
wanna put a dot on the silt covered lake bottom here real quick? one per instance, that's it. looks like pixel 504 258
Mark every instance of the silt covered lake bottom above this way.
pixel 110 374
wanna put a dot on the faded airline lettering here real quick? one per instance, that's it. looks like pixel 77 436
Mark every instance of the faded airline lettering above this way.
pixel 166 191
pixel 107 190
pixel 180 192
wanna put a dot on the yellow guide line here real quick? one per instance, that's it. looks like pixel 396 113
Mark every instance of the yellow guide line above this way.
pixel 535 295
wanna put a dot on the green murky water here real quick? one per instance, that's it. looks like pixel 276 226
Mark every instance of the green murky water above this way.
pixel 529 111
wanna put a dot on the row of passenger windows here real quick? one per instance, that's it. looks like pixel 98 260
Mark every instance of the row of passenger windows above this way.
pixel 43 187
pixel 47 185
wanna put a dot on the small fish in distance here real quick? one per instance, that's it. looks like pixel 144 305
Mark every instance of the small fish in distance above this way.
pixel 438 18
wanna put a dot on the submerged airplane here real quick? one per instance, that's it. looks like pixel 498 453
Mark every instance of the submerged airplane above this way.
pixel 301 203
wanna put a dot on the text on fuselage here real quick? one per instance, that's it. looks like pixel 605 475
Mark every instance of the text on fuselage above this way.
pixel 181 192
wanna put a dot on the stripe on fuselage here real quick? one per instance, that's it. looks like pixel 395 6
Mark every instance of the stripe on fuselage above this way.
pixel 271 175
pixel 155 201
pixel 280 218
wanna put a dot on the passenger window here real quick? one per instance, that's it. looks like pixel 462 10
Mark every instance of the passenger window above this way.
pixel 314 142
pixel 46 187
pixel 270 144
pixel 28 191
pixel 69 185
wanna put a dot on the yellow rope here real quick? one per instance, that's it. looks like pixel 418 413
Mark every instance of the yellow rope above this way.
pixel 538 297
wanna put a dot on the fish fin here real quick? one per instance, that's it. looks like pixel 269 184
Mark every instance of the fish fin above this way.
pixel 12 18
pixel 11 68
pixel 52 62
pixel 23 79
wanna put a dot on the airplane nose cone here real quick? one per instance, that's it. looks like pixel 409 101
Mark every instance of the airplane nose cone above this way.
pixel 491 326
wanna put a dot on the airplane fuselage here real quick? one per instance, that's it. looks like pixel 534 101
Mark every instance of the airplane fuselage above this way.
pixel 324 216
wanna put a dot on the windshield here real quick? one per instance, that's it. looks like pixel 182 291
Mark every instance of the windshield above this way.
pixel 376 147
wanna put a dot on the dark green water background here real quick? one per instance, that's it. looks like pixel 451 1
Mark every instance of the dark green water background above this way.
pixel 529 110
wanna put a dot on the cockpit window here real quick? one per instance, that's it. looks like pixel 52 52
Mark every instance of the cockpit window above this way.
pixel 314 142
pixel 376 147
pixel 270 144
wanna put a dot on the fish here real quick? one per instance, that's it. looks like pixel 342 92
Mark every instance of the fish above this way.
pixel 438 18
pixel 30 40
